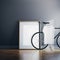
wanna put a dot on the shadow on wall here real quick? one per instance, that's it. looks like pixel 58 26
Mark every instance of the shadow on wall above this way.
pixel 15 36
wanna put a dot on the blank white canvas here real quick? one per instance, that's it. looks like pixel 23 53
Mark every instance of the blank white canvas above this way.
pixel 26 30
pixel 49 31
pixel 48 34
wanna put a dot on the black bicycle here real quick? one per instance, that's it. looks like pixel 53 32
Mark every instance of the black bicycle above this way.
pixel 41 42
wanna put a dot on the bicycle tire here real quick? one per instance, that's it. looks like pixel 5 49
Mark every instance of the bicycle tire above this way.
pixel 33 44
pixel 57 41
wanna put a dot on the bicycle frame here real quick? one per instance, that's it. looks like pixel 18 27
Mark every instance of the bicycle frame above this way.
pixel 57 36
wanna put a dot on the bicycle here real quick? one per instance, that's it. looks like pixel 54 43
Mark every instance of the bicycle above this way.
pixel 44 45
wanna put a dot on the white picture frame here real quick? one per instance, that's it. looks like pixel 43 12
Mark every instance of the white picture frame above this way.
pixel 26 30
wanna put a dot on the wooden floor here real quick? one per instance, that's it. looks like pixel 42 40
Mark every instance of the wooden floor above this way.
pixel 28 55
pixel 19 55
pixel 9 55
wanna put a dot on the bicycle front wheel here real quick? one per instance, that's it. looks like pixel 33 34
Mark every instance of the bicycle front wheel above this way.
pixel 58 41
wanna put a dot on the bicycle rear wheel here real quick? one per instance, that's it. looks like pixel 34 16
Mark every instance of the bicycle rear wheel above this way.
pixel 41 42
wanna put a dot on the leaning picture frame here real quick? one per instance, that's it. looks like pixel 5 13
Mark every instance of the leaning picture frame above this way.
pixel 26 30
